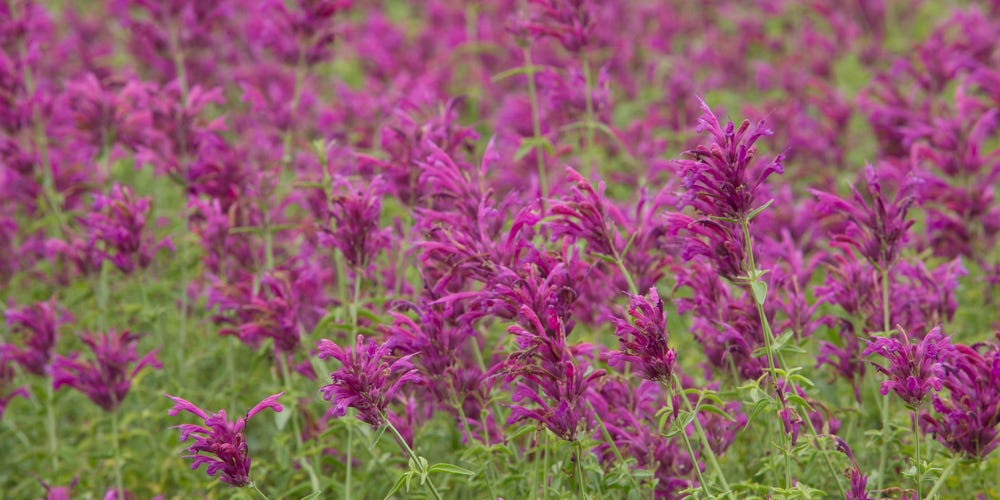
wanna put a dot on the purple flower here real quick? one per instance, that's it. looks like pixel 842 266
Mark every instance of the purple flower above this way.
pixel 719 242
pixel 115 232
pixel 914 369
pixel 569 21
pixel 219 443
pixel 967 422
pixel 876 228
pixel 723 180
pixel 644 341
pixel 586 215
pixel 41 321
pixel 106 380
pixel 367 380
pixel 355 215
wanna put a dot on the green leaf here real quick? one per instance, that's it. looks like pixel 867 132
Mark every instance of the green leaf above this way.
pixel 520 70
pixel 403 480
pixel 451 469
pixel 753 213
pixel 759 289
pixel 281 419
pixel 529 144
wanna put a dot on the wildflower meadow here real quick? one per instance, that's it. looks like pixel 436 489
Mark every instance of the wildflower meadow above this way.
pixel 512 249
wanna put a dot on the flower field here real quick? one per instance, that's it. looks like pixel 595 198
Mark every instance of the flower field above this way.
pixel 522 249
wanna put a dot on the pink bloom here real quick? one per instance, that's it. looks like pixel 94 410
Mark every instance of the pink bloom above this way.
pixel 219 443
pixel 106 380
pixel 367 380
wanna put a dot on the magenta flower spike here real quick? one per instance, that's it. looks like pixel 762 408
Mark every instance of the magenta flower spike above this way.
pixel 968 422
pixel 644 343
pixel 723 180
pixel 367 380
pixel 877 228
pixel 39 323
pixel 107 379
pixel 220 444
pixel 914 369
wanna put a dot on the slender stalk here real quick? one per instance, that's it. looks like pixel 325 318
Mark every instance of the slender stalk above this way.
pixel 118 455
pixel 765 326
pixel 358 278
pixel 886 402
pixel 350 462
pixel 50 426
pixel 410 453
pixel 302 458
pixel 709 453
pixel 916 456
pixel 768 340
pixel 579 469
pixel 255 488
pixel 289 135
pixel 536 128
pixel 694 462
pixel 944 475
pixel 588 84
pixel 611 442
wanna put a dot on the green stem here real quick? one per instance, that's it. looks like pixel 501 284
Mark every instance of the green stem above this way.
pixel 944 475
pixel 916 456
pixel 694 461
pixel 411 454
pixel 289 135
pixel 588 84
pixel 579 469
pixel 611 442
pixel 709 453
pixel 354 301
pixel 769 342
pixel 255 488
pixel 303 459
pixel 765 326
pixel 886 402
pixel 350 461
pixel 50 427
pixel 117 449
pixel 536 127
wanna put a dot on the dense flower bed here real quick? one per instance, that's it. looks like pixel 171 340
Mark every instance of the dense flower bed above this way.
pixel 511 249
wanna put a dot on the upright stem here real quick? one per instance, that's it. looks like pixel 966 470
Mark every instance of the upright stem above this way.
pixel 884 407
pixel 710 454
pixel 410 453
pixel 768 340
pixel 765 327
pixel 579 469
pixel 588 83
pixel 289 135
pixel 694 461
pixel 536 128
pixel 350 462
pixel 916 456
pixel 944 475
pixel 303 459
pixel 50 427
pixel 117 450
pixel 255 488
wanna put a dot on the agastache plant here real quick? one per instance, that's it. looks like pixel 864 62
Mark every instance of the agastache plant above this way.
pixel 39 323
pixel 107 379
pixel 220 444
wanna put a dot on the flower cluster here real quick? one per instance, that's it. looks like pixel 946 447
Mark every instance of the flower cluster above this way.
pixel 644 339
pixel 107 379
pixel 219 444
pixel 367 380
